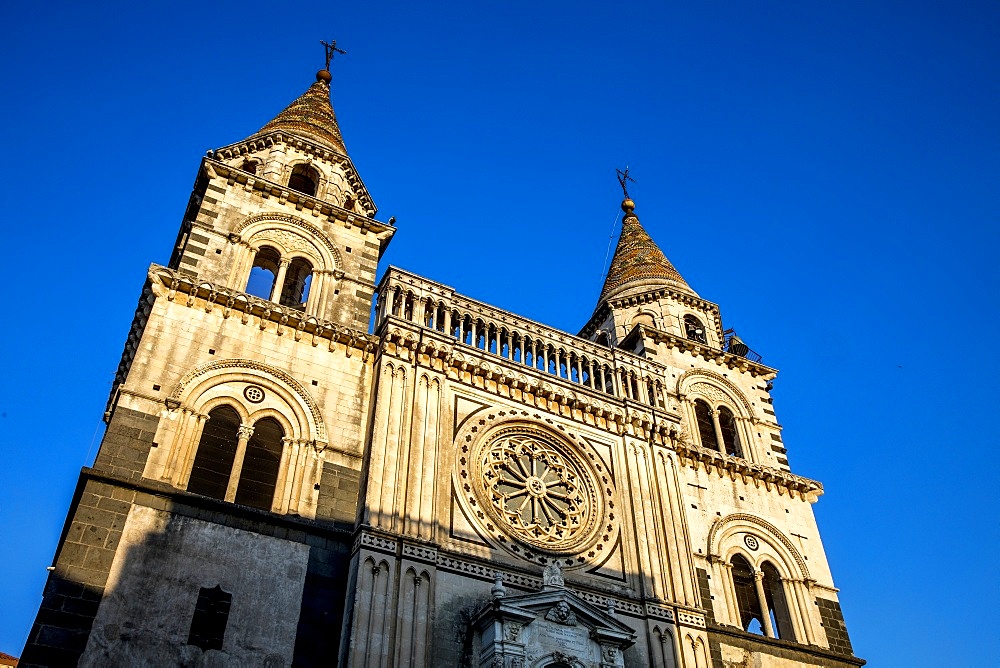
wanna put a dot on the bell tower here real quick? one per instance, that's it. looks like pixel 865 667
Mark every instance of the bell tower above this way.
pixel 284 216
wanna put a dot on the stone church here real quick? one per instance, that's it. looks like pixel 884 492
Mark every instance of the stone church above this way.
pixel 305 467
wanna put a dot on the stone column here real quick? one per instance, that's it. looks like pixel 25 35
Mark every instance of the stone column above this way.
pixel 188 446
pixel 281 505
pixel 758 580
pixel 298 472
pixel 718 431
pixel 315 290
pixel 794 610
pixel 179 443
pixel 245 432
pixel 279 280
pixel 729 593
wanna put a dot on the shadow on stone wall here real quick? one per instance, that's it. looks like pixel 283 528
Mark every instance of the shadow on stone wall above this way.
pixel 64 632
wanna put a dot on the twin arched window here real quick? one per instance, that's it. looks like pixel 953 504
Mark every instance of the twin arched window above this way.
pixel 761 599
pixel 717 428
pixel 286 282
pixel 235 462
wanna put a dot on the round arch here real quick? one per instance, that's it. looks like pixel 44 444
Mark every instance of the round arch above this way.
pixel 302 418
pixel 722 541
pixel 724 390
pixel 324 248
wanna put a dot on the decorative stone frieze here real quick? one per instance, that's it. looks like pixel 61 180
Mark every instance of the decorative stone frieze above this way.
pixel 735 468
pixel 169 283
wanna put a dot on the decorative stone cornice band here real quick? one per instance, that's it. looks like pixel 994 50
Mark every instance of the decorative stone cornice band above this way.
pixel 711 354
pixel 604 309
pixel 169 283
pixel 736 467
pixel 299 200
pixel 263 141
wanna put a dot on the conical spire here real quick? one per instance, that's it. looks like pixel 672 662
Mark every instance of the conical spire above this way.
pixel 638 264
pixel 311 116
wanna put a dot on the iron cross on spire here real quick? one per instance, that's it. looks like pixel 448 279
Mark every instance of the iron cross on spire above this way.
pixel 623 179
pixel 331 50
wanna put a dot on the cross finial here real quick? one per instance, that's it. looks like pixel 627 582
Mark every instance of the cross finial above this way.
pixel 623 179
pixel 331 50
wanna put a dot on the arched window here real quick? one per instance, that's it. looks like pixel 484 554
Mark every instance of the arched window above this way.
pixel 602 339
pixel 264 272
pixel 706 426
pixel 644 319
pixel 693 329
pixel 298 279
pixel 730 437
pixel 259 474
pixel 747 601
pixel 777 606
pixel 304 179
pixel 250 166
pixel 213 462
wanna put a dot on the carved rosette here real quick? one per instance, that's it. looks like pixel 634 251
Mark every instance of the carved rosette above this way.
pixel 539 496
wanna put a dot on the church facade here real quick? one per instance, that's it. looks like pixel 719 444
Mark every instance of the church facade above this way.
pixel 305 467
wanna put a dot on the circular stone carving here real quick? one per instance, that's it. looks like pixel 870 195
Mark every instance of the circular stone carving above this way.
pixel 751 542
pixel 253 394
pixel 540 492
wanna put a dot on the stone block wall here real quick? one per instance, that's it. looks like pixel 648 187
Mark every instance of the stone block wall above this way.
pixel 126 443
pixel 93 549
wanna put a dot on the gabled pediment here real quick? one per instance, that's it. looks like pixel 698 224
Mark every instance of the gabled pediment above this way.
pixel 554 626
pixel 562 606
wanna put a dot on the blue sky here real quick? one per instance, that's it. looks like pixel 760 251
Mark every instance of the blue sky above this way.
pixel 826 172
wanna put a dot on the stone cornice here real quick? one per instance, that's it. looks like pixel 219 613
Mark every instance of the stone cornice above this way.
pixel 709 353
pixel 266 140
pixel 297 200
pixel 828 657
pixel 169 283
pixel 736 467
pixel 604 308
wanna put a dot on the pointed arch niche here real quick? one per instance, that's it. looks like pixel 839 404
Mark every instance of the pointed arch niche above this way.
pixel 764 580
pixel 718 414
pixel 305 265
pixel 244 432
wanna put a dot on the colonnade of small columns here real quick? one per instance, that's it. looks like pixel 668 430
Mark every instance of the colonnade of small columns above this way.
pixel 319 287
pixel 744 435
pixel 529 350
pixel 300 463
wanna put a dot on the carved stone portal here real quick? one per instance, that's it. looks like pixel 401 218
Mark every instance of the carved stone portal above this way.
pixel 551 628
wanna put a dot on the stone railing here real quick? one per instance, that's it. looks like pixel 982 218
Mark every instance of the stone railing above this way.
pixel 518 340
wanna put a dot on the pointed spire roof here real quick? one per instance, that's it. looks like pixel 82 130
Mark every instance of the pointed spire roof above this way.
pixel 311 116
pixel 638 264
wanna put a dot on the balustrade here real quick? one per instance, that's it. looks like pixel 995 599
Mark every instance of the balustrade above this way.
pixel 518 340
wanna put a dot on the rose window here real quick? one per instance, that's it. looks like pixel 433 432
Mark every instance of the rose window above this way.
pixel 542 494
